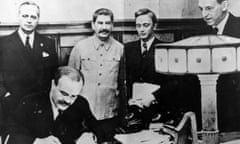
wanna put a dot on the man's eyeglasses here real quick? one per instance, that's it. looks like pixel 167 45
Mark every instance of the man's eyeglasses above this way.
pixel 63 93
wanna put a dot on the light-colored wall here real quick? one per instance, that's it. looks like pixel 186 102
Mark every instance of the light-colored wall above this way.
pixel 173 8
pixel 57 11
pixel 62 10
pixel 163 8
pixel 234 6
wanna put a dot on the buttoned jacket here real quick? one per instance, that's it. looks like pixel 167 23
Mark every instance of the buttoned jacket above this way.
pixel 25 71
pixel 103 67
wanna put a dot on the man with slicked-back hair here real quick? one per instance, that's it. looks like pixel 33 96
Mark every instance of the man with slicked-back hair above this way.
pixel 28 59
pixel 217 16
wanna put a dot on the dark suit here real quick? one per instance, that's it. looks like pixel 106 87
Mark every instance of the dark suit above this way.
pixel 2 91
pixel 24 70
pixel 141 69
pixel 34 119
pixel 176 94
pixel 232 26
pixel 228 87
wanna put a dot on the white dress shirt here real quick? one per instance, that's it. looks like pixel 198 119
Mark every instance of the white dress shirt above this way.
pixel 149 43
pixel 222 24
pixel 23 37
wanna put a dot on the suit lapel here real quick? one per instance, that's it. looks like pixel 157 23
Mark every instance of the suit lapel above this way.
pixel 26 55
pixel 46 120
pixel 138 50
pixel 138 55
pixel 37 47
pixel 37 56
pixel 17 40
pixel 49 112
pixel 228 23
pixel 230 28
pixel 151 49
pixel 149 59
pixel 20 49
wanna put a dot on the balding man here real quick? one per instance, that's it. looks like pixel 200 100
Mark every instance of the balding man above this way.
pixel 215 13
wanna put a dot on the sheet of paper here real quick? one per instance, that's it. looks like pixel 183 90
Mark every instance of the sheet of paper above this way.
pixel 144 137
pixel 143 89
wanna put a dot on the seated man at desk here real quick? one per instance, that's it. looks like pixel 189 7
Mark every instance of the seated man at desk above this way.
pixel 57 117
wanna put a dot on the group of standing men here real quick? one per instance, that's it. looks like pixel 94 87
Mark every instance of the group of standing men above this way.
pixel 102 72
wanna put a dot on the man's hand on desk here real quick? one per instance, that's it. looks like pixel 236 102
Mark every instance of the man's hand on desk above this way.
pixel 143 101
pixel 47 140
pixel 135 102
pixel 147 101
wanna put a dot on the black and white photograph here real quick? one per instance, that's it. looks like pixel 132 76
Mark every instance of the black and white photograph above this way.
pixel 119 72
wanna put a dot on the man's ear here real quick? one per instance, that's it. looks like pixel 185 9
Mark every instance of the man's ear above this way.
pixel 93 26
pixel 53 84
pixel 224 5
pixel 155 26
pixel 82 87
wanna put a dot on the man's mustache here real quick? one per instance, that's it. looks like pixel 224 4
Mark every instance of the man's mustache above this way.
pixel 104 31
pixel 64 103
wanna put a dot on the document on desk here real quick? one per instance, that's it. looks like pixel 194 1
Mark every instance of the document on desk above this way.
pixel 143 89
pixel 143 137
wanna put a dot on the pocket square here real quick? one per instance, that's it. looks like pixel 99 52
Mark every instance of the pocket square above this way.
pixel 7 94
pixel 45 54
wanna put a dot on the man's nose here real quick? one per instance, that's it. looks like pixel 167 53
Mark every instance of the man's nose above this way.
pixel 68 99
pixel 104 26
pixel 29 20
pixel 142 28
pixel 205 13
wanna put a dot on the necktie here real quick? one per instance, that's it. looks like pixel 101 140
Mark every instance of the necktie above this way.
pixel 144 53
pixel 27 44
pixel 215 30
pixel 60 112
